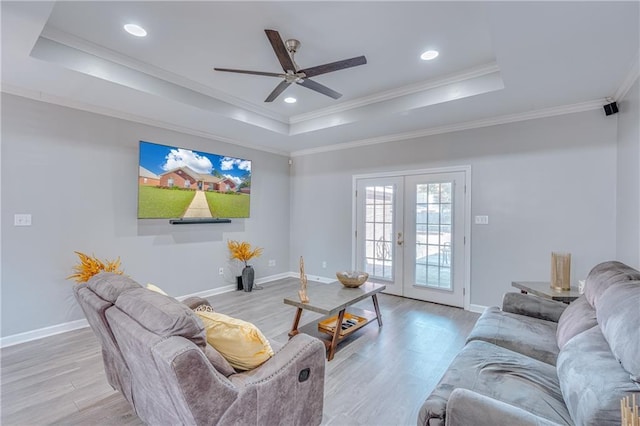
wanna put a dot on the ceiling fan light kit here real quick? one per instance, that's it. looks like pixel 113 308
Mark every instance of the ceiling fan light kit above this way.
pixel 285 52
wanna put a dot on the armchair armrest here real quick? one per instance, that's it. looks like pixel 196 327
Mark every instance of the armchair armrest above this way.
pixel 301 348
pixel 466 407
pixel 533 306
pixel 294 374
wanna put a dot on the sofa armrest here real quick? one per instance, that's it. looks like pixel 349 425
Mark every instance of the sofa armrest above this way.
pixel 466 407
pixel 533 306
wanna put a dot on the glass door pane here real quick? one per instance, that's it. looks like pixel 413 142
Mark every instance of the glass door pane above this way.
pixel 433 234
pixel 435 241
pixel 379 216
pixel 379 231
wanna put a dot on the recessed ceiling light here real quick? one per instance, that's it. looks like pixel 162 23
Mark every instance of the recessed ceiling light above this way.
pixel 135 30
pixel 429 55
pixel 290 100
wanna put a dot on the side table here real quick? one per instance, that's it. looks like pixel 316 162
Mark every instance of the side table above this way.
pixel 543 289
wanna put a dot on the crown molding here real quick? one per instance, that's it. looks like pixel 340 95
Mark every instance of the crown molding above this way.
pixel 65 102
pixel 398 92
pixel 104 53
pixel 494 121
pixel 631 78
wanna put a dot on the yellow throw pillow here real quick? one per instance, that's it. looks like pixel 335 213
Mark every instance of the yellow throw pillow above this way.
pixel 156 289
pixel 240 342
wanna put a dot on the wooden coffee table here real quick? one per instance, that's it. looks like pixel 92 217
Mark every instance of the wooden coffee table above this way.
pixel 333 300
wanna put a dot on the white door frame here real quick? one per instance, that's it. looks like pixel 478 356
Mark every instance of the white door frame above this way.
pixel 467 215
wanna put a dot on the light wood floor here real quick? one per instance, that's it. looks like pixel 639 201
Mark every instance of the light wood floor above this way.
pixel 380 377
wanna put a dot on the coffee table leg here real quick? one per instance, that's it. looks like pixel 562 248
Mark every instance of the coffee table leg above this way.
pixel 296 321
pixel 334 341
pixel 377 308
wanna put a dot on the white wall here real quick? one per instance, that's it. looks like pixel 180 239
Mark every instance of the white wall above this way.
pixel 628 184
pixel 76 173
pixel 546 185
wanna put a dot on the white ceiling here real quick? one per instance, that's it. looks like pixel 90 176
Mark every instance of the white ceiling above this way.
pixel 499 61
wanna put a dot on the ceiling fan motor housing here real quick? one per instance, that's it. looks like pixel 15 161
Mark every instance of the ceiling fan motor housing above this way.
pixel 292 45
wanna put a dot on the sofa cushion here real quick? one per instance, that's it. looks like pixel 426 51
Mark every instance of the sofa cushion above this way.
pixel 503 375
pixel 618 311
pixel 526 335
pixel 578 317
pixel 592 381
pixel 109 285
pixel 240 342
pixel 162 315
pixel 603 275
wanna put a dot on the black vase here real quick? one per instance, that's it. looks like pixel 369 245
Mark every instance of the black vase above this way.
pixel 247 278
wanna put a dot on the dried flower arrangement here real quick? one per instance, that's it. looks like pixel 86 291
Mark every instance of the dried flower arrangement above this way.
pixel 242 251
pixel 91 265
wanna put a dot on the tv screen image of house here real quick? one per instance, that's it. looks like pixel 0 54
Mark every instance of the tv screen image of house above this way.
pixel 183 183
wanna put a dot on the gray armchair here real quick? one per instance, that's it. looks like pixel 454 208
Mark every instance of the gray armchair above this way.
pixel 155 353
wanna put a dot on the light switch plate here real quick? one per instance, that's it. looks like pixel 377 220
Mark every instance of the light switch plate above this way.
pixel 22 219
pixel 482 220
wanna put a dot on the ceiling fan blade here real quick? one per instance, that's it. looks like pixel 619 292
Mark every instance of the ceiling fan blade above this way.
pixel 310 84
pixel 334 66
pixel 268 74
pixel 276 92
pixel 281 50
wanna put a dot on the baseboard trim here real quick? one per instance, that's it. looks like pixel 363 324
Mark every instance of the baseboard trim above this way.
pixel 275 277
pixel 209 293
pixel 310 278
pixel 477 308
pixel 41 333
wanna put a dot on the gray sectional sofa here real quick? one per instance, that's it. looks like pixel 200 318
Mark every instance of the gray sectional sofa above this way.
pixel 540 362
pixel 155 353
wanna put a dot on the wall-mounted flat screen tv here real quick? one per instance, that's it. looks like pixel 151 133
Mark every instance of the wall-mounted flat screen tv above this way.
pixel 176 183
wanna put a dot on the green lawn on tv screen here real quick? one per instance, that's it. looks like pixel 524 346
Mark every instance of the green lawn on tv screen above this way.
pixel 228 205
pixel 162 203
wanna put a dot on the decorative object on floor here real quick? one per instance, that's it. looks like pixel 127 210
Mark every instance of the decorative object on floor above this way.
pixel 352 279
pixel 91 265
pixel 248 275
pixel 304 298
pixel 239 282
pixel 242 252
pixel 629 411
pixel 561 271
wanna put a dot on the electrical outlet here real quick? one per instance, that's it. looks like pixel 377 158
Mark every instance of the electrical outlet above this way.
pixel 220 271
pixel 272 262
pixel 324 264
pixel 482 220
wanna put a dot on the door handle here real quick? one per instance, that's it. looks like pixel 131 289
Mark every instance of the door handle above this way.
pixel 399 241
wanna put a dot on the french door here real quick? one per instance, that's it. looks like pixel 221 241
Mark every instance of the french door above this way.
pixel 410 234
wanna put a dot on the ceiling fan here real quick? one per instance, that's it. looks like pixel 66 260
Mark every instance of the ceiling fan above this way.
pixel 292 73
